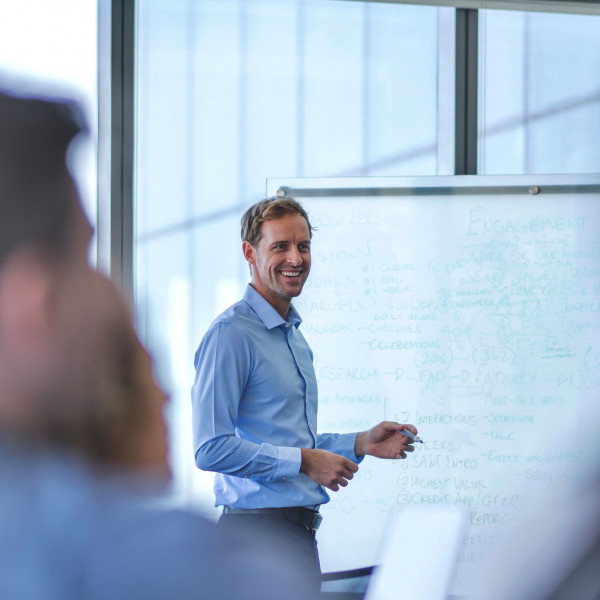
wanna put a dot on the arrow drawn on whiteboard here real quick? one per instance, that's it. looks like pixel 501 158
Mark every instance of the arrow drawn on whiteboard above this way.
pixel 464 376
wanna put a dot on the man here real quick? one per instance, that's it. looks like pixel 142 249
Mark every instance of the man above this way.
pixel 255 394
pixel 82 441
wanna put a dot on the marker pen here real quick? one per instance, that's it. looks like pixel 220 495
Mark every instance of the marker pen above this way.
pixel 410 435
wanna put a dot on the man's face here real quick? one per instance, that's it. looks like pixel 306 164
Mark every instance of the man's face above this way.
pixel 281 260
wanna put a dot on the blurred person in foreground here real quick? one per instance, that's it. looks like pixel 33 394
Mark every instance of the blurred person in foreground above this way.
pixel 82 437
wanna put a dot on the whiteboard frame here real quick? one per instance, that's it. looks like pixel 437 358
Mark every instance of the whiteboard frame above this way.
pixel 305 187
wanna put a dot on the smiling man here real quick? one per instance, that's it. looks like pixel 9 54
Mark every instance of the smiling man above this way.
pixel 255 396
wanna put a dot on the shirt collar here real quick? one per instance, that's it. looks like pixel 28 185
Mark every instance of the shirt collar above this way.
pixel 266 313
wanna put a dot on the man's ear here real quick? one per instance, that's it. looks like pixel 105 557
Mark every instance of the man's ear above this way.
pixel 249 252
pixel 25 301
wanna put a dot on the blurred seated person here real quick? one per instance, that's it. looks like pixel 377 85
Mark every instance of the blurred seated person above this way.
pixel 81 426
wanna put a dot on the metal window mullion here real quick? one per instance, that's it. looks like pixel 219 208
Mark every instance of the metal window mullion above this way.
pixel 122 144
pixel 465 147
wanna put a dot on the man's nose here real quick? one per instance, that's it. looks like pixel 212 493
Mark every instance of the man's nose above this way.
pixel 294 257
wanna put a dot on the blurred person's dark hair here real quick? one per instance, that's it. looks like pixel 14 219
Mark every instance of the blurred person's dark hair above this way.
pixel 96 397
pixel 76 383
pixel 34 137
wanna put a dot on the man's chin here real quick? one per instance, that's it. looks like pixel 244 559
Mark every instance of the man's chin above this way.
pixel 292 291
pixel 291 287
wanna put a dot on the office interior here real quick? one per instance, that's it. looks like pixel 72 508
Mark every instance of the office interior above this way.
pixel 194 105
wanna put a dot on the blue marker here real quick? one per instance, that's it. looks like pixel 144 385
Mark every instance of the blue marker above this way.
pixel 410 435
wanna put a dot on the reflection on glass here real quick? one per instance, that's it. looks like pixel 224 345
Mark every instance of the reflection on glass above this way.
pixel 232 92
pixel 540 93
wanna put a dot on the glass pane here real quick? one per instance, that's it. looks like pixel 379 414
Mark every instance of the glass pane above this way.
pixel 539 96
pixel 52 48
pixel 232 92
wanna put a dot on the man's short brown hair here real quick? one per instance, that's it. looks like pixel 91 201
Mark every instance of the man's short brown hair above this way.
pixel 268 210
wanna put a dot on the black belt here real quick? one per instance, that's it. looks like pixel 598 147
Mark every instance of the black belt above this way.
pixel 306 517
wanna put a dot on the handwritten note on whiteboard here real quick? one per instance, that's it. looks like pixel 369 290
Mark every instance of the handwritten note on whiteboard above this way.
pixel 475 317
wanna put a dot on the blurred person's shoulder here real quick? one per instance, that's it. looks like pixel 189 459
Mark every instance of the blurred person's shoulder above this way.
pixel 69 532
pixel 46 519
pixel 152 552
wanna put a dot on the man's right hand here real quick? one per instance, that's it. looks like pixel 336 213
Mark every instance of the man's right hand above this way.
pixel 327 469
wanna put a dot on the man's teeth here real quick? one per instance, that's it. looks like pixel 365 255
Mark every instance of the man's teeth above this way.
pixel 291 273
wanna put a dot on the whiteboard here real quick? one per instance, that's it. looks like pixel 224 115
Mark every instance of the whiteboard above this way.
pixel 470 307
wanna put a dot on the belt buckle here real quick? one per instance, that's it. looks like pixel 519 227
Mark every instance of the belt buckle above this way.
pixel 316 521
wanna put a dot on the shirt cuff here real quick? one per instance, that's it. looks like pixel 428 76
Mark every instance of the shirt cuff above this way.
pixel 346 444
pixel 289 460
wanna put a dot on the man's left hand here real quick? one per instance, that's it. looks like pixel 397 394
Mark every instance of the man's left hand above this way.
pixel 384 441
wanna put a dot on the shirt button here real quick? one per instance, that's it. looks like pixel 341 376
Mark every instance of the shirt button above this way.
pixel 284 478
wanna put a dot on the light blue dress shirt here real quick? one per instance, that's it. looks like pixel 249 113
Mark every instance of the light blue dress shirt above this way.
pixel 254 405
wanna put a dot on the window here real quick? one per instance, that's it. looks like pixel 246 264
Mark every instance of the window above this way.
pixel 232 92
pixel 53 46
pixel 540 93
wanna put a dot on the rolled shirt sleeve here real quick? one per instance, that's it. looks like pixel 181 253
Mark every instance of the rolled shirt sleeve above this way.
pixel 339 443
pixel 223 365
